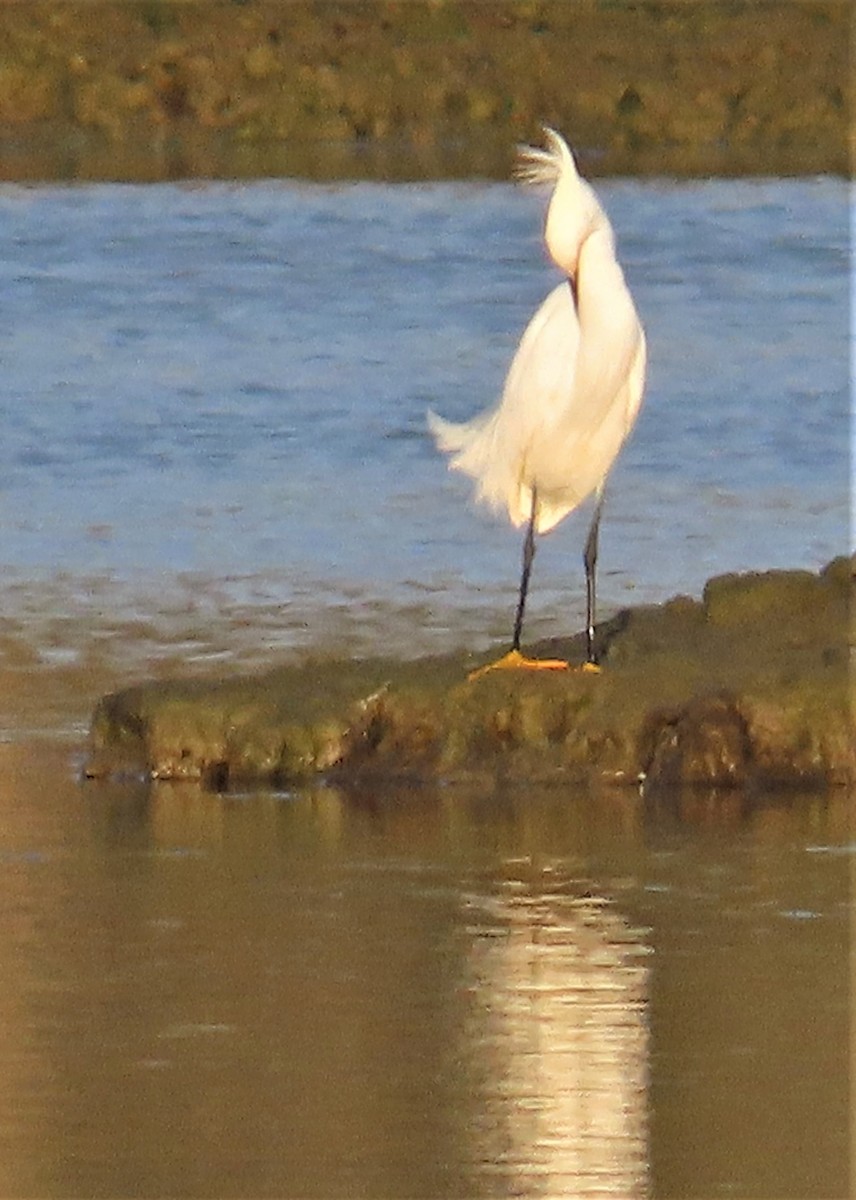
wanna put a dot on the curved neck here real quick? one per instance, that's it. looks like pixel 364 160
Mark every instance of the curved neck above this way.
pixel 598 283
pixel 609 326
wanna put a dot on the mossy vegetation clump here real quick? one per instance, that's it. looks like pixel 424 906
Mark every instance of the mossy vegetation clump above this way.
pixel 748 687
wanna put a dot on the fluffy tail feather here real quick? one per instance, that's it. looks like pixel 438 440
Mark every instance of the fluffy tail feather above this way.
pixel 449 435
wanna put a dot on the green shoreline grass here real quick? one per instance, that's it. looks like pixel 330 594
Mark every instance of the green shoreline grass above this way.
pixel 748 688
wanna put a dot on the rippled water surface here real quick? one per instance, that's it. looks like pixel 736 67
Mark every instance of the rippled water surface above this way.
pixel 213 404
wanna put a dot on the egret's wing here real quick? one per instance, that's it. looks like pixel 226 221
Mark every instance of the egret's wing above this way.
pixel 587 439
pixel 541 376
pixel 494 448
pixel 571 396
pixel 635 384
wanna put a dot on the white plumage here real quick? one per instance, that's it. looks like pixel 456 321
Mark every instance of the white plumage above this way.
pixel 575 384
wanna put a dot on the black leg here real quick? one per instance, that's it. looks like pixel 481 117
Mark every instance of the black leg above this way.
pixel 590 561
pixel 528 555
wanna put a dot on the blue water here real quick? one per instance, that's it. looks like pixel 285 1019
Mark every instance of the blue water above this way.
pixel 213 404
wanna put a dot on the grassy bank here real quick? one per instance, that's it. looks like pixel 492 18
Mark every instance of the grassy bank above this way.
pixel 747 688
pixel 175 88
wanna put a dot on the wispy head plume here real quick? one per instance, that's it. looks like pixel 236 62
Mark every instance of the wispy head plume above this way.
pixel 536 166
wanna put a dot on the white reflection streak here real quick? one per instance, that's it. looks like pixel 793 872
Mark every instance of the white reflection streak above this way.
pixel 563 990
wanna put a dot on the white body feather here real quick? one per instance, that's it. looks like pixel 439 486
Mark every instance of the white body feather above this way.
pixel 575 384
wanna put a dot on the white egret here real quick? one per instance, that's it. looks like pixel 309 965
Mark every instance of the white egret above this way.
pixel 572 392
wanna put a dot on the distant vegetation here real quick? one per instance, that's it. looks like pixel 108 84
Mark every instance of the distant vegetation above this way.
pixel 153 87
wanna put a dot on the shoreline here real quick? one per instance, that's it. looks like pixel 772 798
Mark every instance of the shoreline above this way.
pixel 746 689
pixel 59 653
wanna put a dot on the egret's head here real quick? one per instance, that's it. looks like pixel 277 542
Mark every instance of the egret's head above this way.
pixel 574 211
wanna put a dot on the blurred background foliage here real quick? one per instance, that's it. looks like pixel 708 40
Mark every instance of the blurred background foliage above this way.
pixel 420 88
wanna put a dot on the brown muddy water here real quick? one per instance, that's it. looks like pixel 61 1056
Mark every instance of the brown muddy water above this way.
pixel 418 992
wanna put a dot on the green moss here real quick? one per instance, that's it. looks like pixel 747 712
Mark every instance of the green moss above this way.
pixel 738 599
pixel 739 689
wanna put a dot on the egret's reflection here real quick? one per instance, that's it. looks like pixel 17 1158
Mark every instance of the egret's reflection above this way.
pixel 562 986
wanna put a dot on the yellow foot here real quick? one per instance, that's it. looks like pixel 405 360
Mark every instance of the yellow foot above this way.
pixel 514 660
